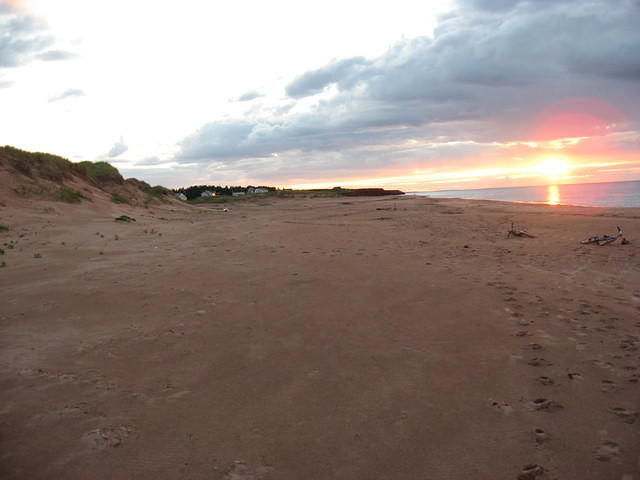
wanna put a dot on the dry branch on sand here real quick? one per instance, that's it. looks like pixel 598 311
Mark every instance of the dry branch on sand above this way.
pixel 604 239
pixel 519 233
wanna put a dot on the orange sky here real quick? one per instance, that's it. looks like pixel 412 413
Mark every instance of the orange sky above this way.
pixel 571 141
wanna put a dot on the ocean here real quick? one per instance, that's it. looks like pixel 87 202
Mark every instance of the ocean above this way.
pixel 610 194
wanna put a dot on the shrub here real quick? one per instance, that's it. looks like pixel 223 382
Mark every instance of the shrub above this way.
pixel 125 218
pixel 101 172
pixel 115 198
pixel 4 228
pixel 69 196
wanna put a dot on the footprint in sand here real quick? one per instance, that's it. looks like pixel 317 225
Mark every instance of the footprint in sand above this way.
pixel 629 343
pixel 241 471
pixel 608 451
pixel 545 380
pixel 522 333
pixel 545 404
pixel 102 438
pixel 628 416
pixel 603 364
pixel 502 407
pixel 541 436
pixel 608 386
pixel 530 472
pixel 539 362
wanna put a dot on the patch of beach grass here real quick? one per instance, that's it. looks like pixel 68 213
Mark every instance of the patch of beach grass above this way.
pixel 68 195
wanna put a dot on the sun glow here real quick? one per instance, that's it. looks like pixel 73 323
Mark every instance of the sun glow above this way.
pixel 553 167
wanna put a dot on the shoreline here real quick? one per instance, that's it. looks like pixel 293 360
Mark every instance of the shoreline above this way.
pixel 554 197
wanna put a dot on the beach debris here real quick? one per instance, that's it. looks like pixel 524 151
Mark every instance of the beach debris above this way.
pixel 125 218
pixel 625 241
pixel 604 239
pixel 518 233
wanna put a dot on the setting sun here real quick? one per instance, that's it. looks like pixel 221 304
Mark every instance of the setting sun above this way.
pixel 553 167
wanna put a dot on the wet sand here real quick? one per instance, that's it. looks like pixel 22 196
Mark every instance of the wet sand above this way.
pixel 320 338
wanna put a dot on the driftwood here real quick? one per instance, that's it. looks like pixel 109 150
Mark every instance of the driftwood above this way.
pixel 519 233
pixel 604 239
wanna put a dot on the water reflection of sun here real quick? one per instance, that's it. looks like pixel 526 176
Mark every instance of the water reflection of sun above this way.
pixel 553 195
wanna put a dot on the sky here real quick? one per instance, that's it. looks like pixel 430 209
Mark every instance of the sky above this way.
pixel 415 95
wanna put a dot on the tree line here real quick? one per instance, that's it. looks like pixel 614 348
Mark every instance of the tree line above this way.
pixel 195 191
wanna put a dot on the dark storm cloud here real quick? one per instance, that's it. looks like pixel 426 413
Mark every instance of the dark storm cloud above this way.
pixel 71 93
pixel 490 68
pixel 23 36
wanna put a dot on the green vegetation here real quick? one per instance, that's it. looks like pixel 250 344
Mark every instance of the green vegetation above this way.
pixel 100 172
pixel 115 198
pixel 49 166
pixel 1 251
pixel 3 264
pixel 4 228
pixel 37 255
pixel 68 195
pixel 125 218
pixel 54 168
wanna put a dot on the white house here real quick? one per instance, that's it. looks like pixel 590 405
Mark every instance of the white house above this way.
pixel 181 196
pixel 261 190
pixel 237 194
pixel 206 193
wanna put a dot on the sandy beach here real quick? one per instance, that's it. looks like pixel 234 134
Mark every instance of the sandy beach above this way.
pixel 396 338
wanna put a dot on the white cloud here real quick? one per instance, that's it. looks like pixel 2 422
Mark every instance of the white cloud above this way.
pixel 118 149
pixel 69 93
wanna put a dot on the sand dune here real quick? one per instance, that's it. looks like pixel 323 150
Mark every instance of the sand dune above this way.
pixel 319 338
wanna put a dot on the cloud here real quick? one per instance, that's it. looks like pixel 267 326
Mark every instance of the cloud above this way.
pixel 24 37
pixel 118 149
pixel 250 95
pixel 70 93
pixel 312 82
pixel 56 55
pixel 20 36
pixel 488 75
